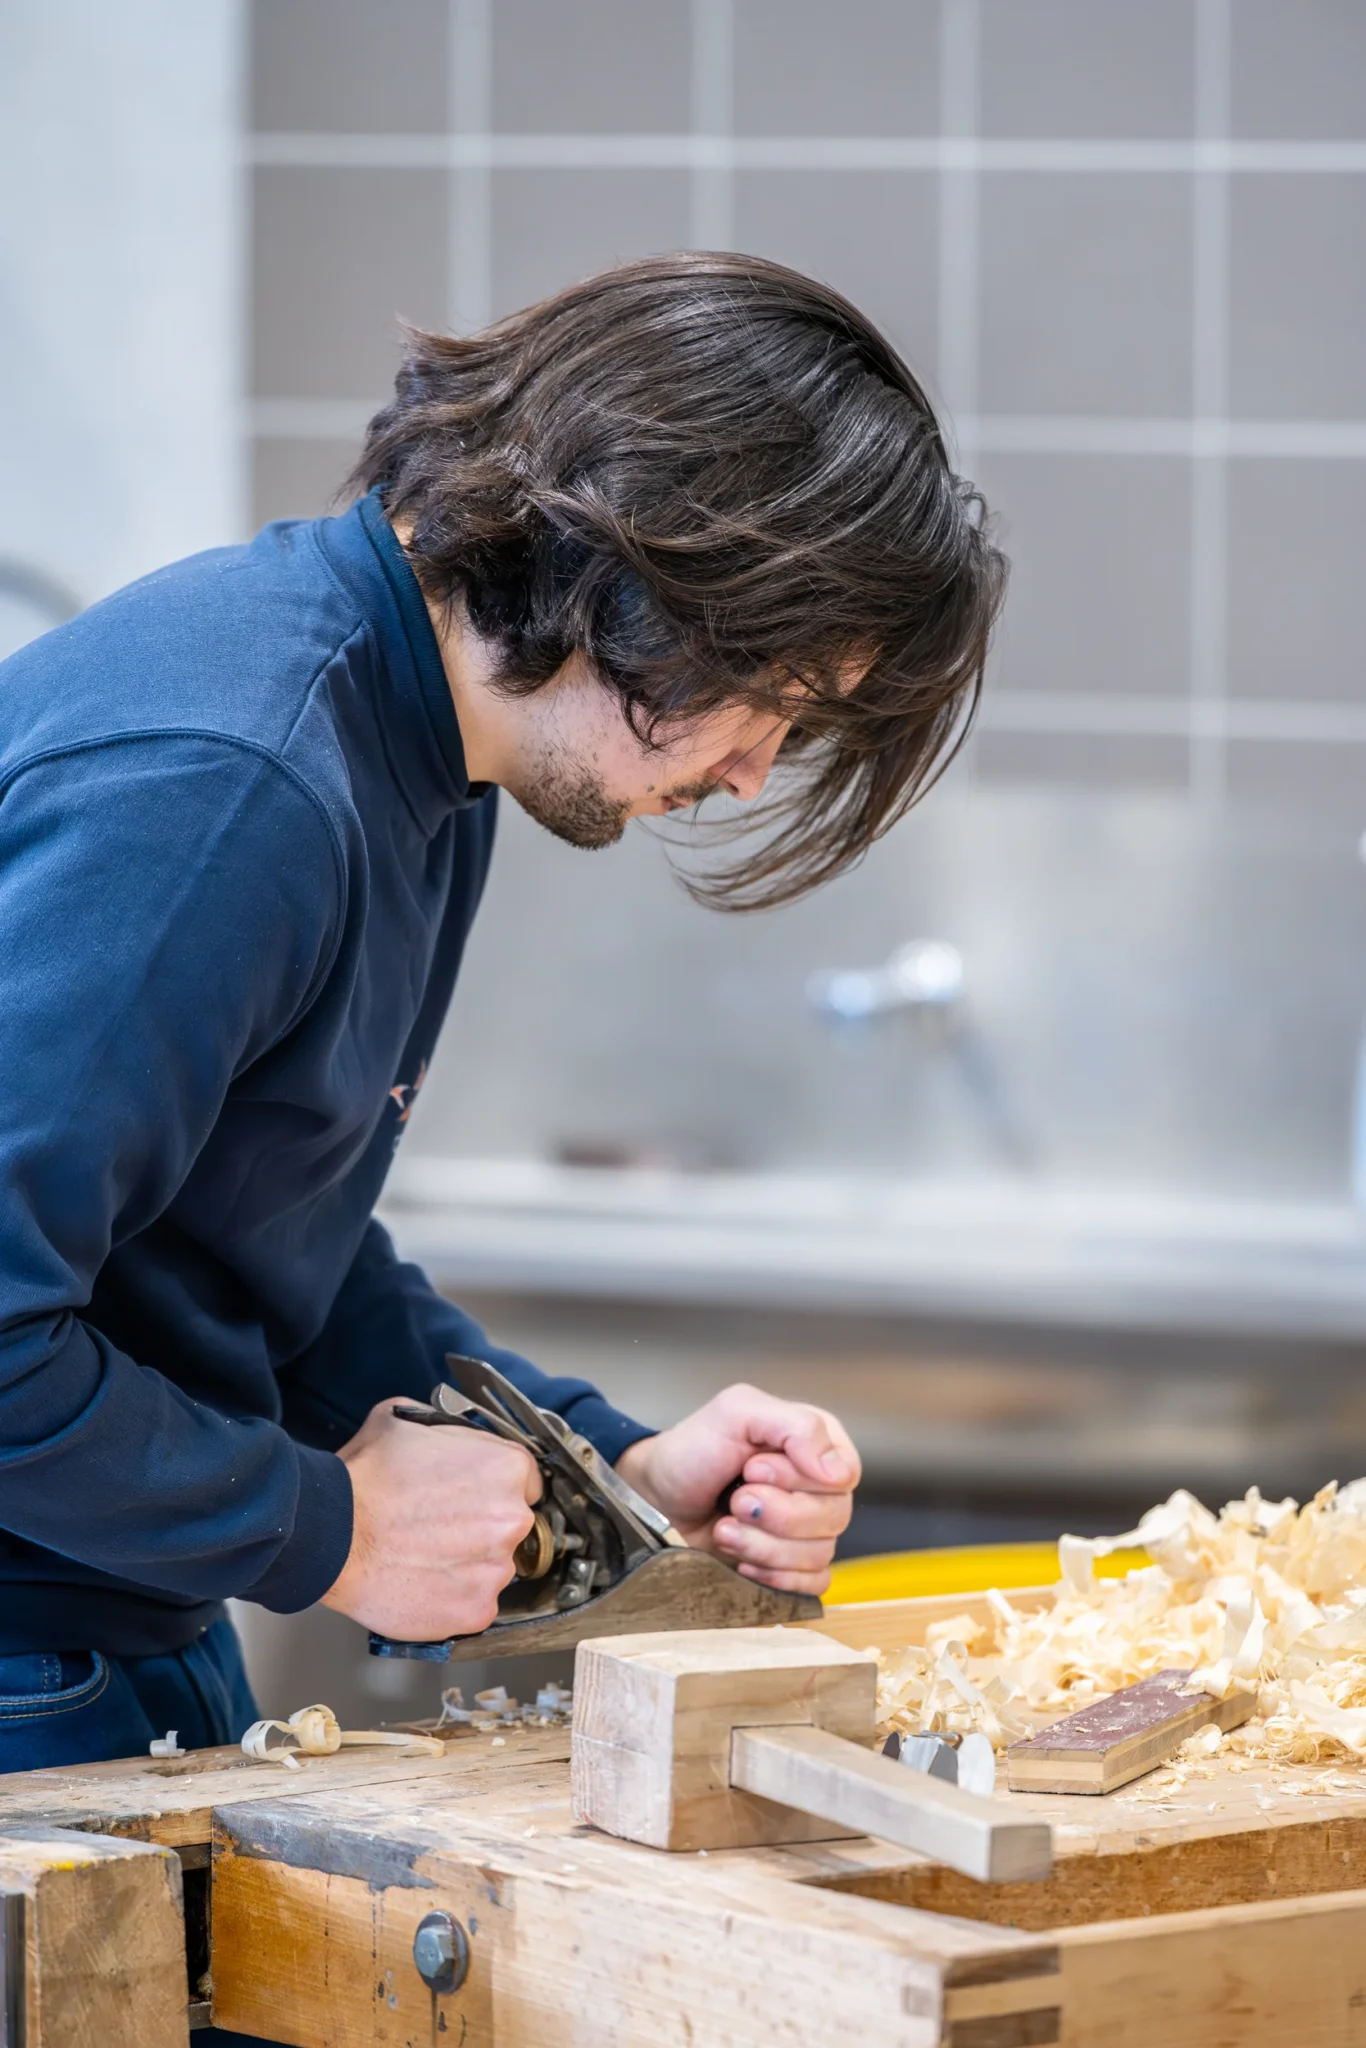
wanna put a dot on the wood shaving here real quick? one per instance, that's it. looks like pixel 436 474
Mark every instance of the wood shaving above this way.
pixel 315 1731
pixel 1265 1595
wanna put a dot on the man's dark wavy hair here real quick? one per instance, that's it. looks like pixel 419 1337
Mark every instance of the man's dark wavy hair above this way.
pixel 714 477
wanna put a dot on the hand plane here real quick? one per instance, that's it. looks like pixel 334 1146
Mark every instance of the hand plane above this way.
pixel 598 1560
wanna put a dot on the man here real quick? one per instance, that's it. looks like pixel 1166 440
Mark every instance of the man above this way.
pixel 638 544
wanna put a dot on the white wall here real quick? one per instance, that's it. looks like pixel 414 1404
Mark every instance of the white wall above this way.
pixel 120 299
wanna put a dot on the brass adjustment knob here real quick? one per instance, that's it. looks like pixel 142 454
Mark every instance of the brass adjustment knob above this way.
pixel 535 1553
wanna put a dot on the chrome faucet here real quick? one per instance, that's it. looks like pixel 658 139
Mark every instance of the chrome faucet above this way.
pixel 927 981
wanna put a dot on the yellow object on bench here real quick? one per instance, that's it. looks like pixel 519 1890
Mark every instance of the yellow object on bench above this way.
pixel 970 1568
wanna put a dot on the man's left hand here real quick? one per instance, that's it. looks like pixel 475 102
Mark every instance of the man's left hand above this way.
pixel 797 1468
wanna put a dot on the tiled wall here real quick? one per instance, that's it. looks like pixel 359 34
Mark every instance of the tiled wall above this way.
pixel 1125 240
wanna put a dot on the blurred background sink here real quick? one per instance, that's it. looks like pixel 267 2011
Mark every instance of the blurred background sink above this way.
pixel 1042 1253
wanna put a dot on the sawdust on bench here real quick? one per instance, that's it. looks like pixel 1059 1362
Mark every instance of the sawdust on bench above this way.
pixel 1266 1595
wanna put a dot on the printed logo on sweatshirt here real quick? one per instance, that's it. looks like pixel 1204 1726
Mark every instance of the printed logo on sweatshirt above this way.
pixel 403 1096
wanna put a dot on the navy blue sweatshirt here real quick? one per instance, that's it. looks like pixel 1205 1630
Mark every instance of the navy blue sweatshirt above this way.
pixel 239 857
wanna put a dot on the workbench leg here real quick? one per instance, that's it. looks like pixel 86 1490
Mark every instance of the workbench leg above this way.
pixel 103 1942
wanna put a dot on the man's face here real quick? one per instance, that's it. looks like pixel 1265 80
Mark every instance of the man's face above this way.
pixel 583 774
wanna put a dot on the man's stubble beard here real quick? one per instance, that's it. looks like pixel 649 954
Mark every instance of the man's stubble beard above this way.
pixel 570 802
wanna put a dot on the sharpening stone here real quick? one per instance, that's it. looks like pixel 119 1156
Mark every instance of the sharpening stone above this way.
pixel 1120 1737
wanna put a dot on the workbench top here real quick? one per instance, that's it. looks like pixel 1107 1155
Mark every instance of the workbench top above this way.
pixel 1219 1912
pixel 172 1801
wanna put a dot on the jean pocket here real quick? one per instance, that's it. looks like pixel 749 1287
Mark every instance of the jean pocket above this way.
pixel 39 1683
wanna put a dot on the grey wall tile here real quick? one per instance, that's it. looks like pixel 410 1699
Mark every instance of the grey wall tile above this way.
pixel 874 235
pixel 552 227
pixel 865 67
pixel 599 66
pixel 1099 596
pixel 1299 68
pixel 338 256
pixel 297 479
pixel 1297 284
pixel 349 65
pixel 1087 68
pixel 1086 293
pixel 1085 310
pixel 1317 785
pixel 1103 762
pixel 1297 622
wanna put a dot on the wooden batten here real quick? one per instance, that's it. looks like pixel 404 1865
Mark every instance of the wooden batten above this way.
pixel 815 1772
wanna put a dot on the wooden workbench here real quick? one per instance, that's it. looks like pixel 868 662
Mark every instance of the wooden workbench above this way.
pixel 1222 1916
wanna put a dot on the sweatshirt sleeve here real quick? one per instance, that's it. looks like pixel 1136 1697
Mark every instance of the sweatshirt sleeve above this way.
pixel 167 906
pixel 388 1334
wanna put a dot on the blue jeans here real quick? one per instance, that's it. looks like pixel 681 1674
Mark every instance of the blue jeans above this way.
pixel 78 1707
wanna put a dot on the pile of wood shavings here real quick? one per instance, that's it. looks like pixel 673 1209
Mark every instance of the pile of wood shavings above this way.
pixel 1266 1595
pixel 553 1707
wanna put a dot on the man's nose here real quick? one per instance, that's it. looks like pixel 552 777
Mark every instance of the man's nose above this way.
pixel 744 775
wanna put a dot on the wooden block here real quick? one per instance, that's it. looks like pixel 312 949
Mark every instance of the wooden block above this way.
pixel 723 1739
pixel 104 1941
pixel 653 1716
pixel 1121 1737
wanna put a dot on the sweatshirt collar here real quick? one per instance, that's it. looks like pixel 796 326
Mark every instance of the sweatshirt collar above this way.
pixel 421 729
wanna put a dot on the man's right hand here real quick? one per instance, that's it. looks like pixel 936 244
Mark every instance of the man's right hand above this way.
pixel 438 1514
